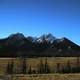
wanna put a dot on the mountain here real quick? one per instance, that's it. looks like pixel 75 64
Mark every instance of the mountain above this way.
pixel 17 36
pixel 46 45
pixel 63 47
pixel 47 37
pixel 14 39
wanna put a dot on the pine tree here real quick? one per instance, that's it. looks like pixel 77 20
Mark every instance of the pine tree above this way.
pixel 24 67
pixel 77 65
pixel 10 68
pixel 67 68
pixel 47 68
pixel 41 68
pixel 30 70
pixel 58 67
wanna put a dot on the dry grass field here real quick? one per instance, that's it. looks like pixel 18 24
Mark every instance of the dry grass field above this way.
pixel 34 63
pixel 42 77
pixel 50 77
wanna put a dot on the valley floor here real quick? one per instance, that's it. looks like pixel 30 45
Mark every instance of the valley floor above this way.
pixel 42 77
pixel 55 64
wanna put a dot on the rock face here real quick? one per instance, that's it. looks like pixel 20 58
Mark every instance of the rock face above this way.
pixel 47 45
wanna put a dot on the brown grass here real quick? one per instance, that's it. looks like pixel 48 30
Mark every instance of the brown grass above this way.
pixel 34 62
pixel 44 77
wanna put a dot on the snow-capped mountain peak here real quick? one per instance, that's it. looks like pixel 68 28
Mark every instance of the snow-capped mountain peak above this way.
pixel 48 37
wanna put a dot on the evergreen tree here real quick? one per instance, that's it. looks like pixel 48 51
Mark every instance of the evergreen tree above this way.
pixel 10 68
pixel 67 68
pixel 47 68
pixel 58 67
pixel 41 68
pixel 30 70
pixel 24 66
pixel 74 69
pixel 78 65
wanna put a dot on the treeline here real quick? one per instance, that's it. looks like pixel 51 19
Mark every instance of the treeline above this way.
pixel 43 68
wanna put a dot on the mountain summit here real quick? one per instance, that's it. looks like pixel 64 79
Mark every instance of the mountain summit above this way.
pixel 17 36
pixel 47 37
pixel 46 45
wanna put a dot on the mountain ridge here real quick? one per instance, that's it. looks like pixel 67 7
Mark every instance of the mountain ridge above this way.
pixel 46 45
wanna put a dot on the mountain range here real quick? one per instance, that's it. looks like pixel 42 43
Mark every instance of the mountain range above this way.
pixel 17 45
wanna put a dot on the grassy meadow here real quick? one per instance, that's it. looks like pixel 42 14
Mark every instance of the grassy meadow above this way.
pixel 34 63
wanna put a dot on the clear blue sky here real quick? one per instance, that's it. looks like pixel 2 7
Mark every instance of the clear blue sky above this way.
pixel 36 17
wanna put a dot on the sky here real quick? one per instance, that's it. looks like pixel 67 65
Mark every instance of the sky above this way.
pixel 37 17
